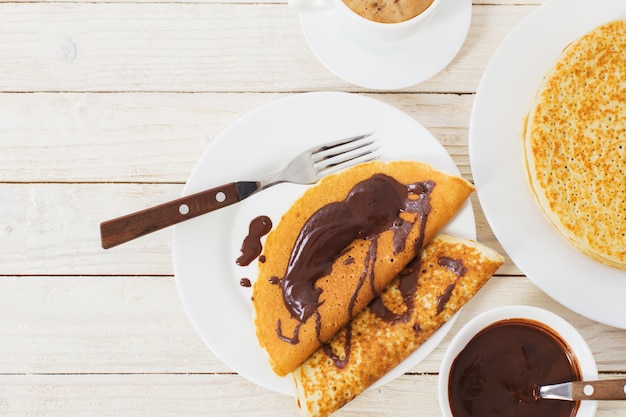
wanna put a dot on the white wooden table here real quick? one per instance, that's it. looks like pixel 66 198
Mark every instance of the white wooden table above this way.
pixel 105 107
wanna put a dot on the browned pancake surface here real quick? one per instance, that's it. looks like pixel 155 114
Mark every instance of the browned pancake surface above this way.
pixel 576 144
pixel 339 287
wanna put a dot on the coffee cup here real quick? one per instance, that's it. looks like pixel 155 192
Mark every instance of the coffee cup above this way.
pixel 376 19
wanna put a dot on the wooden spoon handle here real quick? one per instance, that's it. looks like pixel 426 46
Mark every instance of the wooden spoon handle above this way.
pixel 131 226
pixel 609 389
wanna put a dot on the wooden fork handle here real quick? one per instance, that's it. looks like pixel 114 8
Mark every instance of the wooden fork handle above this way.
pixel 609 389
pixel 131 226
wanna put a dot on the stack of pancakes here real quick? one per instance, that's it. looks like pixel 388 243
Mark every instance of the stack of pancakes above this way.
pixel 356 276
pixel 575 144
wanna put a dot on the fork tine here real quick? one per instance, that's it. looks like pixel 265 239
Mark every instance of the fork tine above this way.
pixel 347 150
pixel 346 153
pixel 348 160
pixel 338 143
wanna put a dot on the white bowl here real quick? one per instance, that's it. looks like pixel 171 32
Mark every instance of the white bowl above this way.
pixel 568 333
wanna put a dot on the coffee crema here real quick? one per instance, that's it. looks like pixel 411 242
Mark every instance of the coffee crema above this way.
pixel 388 11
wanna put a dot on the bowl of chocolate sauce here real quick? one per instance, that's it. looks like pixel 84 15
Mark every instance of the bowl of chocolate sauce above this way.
pixel 496 363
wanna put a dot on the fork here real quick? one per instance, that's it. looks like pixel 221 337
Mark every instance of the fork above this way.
pixel 306 168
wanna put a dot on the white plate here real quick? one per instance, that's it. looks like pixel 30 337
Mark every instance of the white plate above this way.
pixel 502 101
pixel 571 336
pixel 389 65
pixel 205 248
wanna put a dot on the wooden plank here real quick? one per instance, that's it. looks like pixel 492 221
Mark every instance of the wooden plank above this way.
pixel 206 395
pixel 53 229
pixel 157 137
pixel 196 47
pixel 98 325
pixel 113 324
pixel 490 2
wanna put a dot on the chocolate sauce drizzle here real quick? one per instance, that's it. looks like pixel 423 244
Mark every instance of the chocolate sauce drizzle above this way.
pixel 456 266
pixel 372 206
pixel 252 247
pixel 408 277
pixel 407 285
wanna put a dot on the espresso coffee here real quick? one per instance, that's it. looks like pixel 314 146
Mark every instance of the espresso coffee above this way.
pixel 388 11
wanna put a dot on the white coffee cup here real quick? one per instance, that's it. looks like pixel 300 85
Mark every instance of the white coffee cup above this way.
pixel 364 26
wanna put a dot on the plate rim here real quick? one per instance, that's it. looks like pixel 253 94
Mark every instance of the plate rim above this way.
pixel 483 167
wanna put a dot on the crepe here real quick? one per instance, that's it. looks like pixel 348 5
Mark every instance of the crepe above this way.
pixel 449 272
pixel 575 144
pixel 321 267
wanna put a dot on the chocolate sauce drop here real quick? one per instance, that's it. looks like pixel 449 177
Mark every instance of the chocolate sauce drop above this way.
pixel 252 247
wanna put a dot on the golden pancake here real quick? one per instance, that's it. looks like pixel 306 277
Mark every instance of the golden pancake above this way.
pixel 339 245
pixel 417 303
pixel 575 144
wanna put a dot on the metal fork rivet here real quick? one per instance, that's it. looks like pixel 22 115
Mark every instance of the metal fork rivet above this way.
pixel 588 390
pixel 220 197
pixel 183 209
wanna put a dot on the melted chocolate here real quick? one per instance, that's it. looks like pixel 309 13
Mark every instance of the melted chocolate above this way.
pixel 340 361
pixel 443 299
pixel 497 372
pixel 407 287
pixel 454 265
pixel 252 247
pixel 408 280
pixel 372 206
pixel 245 282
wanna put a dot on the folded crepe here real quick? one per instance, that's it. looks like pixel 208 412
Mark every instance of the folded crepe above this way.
pixel 448 272
pixel 339 245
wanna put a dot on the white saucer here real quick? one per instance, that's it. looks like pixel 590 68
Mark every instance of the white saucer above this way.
pixel 389 65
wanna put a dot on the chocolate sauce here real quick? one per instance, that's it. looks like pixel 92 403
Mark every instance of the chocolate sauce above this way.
pixel 407 281
pixel 401 229
pixel 407 287
pixel 497 372
pixel 340 361
pixel 245 282
pixel 443 299
pixel 372 206
pixel 456 266
pixel 252 247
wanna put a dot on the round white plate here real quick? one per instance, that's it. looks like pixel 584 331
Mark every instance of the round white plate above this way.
pixel 389 65
pixel 205 248
pixel 576 342
pixel 502 101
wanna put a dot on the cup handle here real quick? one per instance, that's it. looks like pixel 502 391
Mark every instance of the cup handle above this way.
pixel 308 6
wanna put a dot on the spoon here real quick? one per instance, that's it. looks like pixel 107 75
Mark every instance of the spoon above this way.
pixel 610 389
